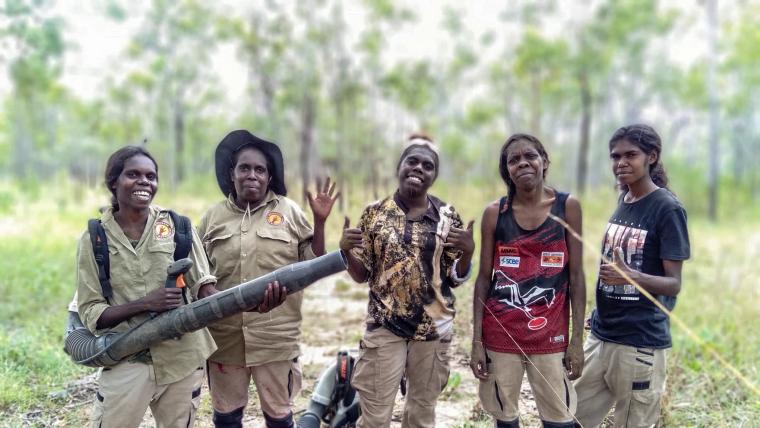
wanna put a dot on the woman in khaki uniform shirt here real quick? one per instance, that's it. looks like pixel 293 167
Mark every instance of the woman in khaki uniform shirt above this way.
pixel 254 231
pixel 167 377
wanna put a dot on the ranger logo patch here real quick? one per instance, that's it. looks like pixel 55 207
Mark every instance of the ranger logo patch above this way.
pixel 274 218
pixel 163 230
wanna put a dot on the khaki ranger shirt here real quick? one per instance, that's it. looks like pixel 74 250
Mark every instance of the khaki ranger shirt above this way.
pixel 135 272
pixel 243 245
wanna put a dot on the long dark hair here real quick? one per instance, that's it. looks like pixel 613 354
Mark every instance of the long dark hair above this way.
pixel 648 141
pixel 115 166
pixel 503 168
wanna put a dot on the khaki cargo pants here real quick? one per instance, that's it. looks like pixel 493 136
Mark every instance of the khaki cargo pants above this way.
pixel 277 383
pixel 126 390
pixel 383 359
pixel 632 379
pixel 554 395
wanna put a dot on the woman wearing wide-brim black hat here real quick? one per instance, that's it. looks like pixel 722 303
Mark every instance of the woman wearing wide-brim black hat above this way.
pixel 254 231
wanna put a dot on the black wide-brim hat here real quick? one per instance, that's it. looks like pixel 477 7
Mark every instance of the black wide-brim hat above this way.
pixel 238 140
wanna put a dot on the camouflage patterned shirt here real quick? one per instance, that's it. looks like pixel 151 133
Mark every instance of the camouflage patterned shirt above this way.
pixel 410 272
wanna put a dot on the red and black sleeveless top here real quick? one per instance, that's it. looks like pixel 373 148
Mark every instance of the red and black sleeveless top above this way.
pixel 527 302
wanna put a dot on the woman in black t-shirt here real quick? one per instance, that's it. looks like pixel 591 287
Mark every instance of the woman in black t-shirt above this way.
pixel 646 242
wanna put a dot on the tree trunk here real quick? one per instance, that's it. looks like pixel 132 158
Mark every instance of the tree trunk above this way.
pixel 585 131
pixel 22 144
pixel 714 121
pixel 308 116
pixel 179 140
pixel 535 107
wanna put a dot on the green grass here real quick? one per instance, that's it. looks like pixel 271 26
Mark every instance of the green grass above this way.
pixel 718 301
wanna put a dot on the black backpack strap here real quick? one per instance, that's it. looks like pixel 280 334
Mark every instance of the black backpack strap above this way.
pixel 183 235
pixel 100 250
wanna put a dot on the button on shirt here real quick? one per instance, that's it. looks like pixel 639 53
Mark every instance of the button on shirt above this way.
pixel 135 272
pixel 410 271
pixel 243 245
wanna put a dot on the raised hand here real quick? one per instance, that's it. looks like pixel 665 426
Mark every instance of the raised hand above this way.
pixel 322 202
pixel 461 239
pixel 612 276
pixel 351 238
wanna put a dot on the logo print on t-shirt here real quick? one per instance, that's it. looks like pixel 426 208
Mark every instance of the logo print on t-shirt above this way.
pixel 508 256
pixel 632 241
pixel 162 230
pixel 512 297
pixel 552 259
pixel 274 218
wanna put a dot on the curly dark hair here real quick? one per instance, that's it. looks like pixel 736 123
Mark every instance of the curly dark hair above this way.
pixel 645 138
pixel 115 166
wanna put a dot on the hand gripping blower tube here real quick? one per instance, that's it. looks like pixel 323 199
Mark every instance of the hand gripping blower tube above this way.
pixel 111 348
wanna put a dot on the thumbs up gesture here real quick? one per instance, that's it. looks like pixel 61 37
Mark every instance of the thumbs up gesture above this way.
pixel 615 273
pixel 351 238
pixel 461 239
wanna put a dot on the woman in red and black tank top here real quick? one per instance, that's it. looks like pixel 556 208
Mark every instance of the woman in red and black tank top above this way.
pixel 528 292
pixel 530 276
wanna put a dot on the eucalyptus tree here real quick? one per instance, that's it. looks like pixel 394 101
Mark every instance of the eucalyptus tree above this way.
pixel 169 75
pixel 383 17
pixel 263 35
pixel 33 49
pixel 610 54
pixel 740 73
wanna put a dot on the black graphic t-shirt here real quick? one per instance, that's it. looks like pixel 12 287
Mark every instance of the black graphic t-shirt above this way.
pixel 649 231
pixel 527 309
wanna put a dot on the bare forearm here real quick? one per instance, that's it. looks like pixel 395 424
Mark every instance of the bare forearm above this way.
pixel 660 285
pixel 114 315
pixel 463 265
pixel 318 240
pixel 577 304
pixel 479 297
pixel 356 268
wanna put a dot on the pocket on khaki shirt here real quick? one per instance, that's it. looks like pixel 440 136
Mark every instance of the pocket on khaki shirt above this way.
pixel 161 255
pixel 276 249
pixel 221 256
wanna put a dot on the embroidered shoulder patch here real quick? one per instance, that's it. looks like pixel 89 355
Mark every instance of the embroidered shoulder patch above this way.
pixel 274 218
pixel 162 230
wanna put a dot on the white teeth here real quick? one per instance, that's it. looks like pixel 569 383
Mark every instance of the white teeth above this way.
pixel 417 179
pixel 142 194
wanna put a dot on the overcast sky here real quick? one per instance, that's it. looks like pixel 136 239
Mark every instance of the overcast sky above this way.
pixel 96 42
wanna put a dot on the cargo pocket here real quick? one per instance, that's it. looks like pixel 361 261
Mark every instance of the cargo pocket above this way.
pixel 442 368
pixel 97 410
pixel 488 391
pixel 195 395
pixel 295 377
pixel 363 378
pixel 645 397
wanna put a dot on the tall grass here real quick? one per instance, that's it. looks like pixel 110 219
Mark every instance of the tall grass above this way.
pixel 38 240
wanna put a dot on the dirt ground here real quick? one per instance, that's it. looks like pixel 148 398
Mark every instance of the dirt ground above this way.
pixel 334 310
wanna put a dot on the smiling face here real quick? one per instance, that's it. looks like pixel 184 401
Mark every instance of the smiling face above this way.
pixel 416 172
pixel 525 165
pixel 251 177
pixel 629 163
pixel 137 184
